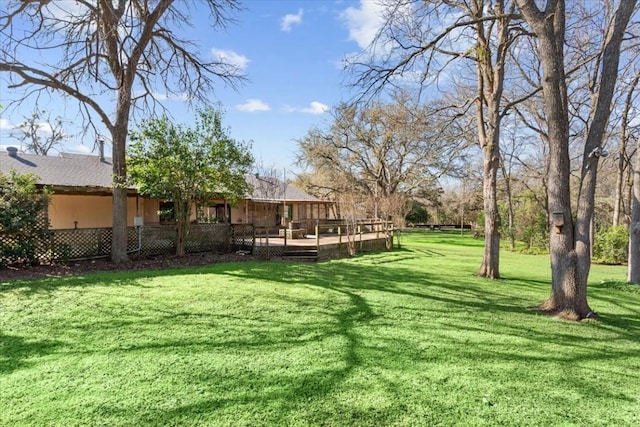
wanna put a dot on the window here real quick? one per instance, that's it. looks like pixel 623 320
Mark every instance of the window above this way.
pixel 166 212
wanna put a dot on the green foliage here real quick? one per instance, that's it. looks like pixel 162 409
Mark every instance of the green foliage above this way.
pixel 180 163
pixel 418 213
pixel 530 225
pixel 480 219
pixel 188 165
pixel 23 222
pixel 611 245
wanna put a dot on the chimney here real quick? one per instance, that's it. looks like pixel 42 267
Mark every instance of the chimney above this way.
pixel 101 149
pixel 12 151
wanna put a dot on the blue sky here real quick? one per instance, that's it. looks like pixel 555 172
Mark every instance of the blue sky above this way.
pixel 291 52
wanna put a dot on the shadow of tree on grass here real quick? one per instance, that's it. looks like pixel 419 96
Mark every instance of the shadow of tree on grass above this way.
pixel 15 351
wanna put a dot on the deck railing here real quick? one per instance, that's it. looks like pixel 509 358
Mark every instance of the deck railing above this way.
pixel 328 239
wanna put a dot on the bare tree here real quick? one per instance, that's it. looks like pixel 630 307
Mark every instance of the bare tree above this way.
pixel 351 212
pixel 39 133
pixel 384 149
pixel 569 240
pixel 421 39
pixel 116 58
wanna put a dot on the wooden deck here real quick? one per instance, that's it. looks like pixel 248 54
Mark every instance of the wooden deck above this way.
pixel 331 241
pixel 311 240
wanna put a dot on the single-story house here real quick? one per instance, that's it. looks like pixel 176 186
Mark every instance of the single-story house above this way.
pixel 81 186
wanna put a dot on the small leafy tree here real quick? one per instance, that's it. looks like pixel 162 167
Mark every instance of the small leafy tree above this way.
pixel 23 220
pixel 188 165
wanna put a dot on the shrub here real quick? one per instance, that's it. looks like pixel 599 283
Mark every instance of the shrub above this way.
pixel 23 222
pixel 611 245
pixel 418 213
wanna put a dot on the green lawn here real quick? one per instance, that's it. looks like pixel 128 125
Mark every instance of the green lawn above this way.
pixel 403 338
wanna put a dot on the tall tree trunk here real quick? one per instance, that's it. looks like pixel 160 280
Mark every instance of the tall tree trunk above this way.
pixel 507 185
pixel 568 298
pixel 120 233
pixel 182 213
pixel 490 267
pixel 595 136
pixel 571 246
pixel 634 228
pixel 119 144
pixel 623 160
pixel 180 237
pixel 620 178
pixel 490 80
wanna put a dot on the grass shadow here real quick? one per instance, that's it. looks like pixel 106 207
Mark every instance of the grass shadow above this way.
pixel 16 351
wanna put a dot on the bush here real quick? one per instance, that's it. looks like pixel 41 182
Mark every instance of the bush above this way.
pixel 23 222
pixel 611 245
pixel 418 213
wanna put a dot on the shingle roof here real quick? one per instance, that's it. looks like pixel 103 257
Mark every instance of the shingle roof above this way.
pixel 79 170
pixel 273 190
pixel 64 170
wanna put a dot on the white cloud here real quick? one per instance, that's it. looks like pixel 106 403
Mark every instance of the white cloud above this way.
pixel 289 19
pixel 170 97
pixel 79 149
pixel 236 60
pixel 5 124
pixel 314 107
pixel 44 127
pixel 363 22
pixel 253 105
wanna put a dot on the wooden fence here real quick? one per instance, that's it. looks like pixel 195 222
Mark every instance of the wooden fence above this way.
pixel 87 243
pixel 328 240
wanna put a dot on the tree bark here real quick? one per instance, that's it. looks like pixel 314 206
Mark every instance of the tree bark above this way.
pixel 490 267
pixel 567 297
pixel 182 212
pixel 634 228
pixel 119 141
pixel 623 160
pixel 490 80
pixel 570 243
pixel 595 136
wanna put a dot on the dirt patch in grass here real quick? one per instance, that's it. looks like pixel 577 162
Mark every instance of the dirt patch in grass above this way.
pixel 75 268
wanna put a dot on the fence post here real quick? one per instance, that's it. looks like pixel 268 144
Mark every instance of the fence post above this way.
pixel 285 239
pixel 318 238
pixel 253 239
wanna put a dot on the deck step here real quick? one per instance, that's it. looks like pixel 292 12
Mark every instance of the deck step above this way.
pixel 301 254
